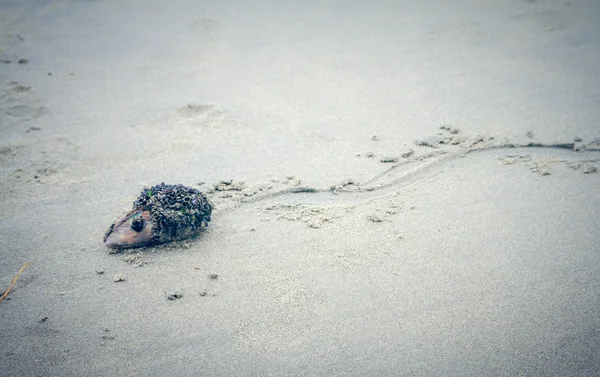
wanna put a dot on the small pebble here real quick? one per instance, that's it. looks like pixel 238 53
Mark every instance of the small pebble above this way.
pixel 119 277
pixel 577 139
pixel 388 159
pixel 213 276
pixel 23 61
pixel 589 169
pixel 174 294
pixel 408 154
pixel 374 218
pixel 106 336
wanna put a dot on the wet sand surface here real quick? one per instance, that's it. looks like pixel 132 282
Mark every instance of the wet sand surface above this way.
pixel 399 189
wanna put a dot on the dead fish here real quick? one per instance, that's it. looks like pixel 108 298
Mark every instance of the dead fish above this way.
pixel 162 213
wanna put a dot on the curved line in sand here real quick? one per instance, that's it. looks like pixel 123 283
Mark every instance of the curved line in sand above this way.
pixel 409 171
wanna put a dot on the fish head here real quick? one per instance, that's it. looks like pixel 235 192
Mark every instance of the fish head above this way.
pixel 135 229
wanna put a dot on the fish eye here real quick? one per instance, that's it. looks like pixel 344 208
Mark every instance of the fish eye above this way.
pixel 137 224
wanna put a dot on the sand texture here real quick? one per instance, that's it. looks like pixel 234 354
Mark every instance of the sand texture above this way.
pixel 400 188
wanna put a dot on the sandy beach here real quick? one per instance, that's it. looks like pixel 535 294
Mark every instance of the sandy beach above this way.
pixel 399 188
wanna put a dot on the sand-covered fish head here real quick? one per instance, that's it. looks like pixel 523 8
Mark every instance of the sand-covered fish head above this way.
pixel 134 229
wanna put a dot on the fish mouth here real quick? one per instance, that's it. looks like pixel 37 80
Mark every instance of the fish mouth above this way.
pixel 134 229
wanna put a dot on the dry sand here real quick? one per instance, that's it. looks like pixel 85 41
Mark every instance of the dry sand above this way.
pixel 365 239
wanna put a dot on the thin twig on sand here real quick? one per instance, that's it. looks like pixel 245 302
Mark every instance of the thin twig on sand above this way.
pixel 12 285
